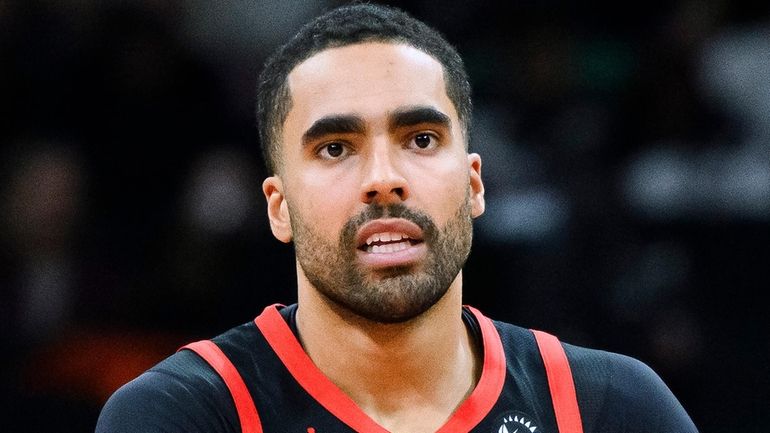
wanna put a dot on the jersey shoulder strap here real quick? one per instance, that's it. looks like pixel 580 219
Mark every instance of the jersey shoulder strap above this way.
pixel 244 404
pixel 560 383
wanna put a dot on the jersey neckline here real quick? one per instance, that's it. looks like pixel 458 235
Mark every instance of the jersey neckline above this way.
pixel 470 412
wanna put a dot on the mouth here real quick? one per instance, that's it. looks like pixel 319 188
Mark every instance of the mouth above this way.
pixel 390 242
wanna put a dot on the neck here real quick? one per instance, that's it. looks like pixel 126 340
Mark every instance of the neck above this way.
pixel 394 372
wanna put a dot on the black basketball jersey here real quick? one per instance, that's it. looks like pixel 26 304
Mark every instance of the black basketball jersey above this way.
pixel 611 392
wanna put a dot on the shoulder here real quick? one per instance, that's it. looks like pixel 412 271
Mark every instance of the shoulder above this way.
pixel 613 375
pixel 623 393
pixel 615 392
pixel 181 393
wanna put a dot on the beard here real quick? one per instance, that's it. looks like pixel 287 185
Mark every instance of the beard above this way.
pixel 391 295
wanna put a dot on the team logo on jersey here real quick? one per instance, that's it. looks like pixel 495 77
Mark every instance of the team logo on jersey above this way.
pixel 517 422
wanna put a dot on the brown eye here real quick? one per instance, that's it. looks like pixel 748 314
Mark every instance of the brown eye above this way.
pixel 423 141
pixel 332 150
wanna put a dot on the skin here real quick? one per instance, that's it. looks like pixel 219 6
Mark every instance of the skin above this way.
pixel 318 189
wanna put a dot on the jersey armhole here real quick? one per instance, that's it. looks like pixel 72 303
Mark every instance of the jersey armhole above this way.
pixel 244 404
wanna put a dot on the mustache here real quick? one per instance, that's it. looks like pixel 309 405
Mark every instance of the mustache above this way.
pixel 377 211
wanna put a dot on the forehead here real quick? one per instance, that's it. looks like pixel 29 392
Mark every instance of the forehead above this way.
pixel 369 79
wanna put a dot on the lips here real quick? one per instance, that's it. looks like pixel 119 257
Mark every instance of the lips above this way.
pixel 385 232
pixel 390 242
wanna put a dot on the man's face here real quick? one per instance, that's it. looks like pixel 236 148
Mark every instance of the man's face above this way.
pixel 376 187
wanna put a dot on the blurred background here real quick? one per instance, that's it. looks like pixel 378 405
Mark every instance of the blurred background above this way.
pixel 626 151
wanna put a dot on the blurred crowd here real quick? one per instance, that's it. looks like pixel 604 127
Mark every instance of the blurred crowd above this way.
pixel 626 157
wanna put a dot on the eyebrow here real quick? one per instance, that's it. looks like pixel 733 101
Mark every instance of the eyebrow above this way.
pixel 354 124
pixel 411 116
pixel 334 124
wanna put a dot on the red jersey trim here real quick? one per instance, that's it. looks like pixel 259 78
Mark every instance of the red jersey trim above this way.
pixel 327 394
pixel 490 385
pixel 560 382
pixel 244 405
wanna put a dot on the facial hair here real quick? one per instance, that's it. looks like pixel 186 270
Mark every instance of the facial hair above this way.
pixel 391 295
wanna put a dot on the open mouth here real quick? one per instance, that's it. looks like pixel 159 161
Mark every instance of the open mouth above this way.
pixel 388 242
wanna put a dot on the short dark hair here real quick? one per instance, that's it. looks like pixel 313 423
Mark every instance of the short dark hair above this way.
pixel 348 25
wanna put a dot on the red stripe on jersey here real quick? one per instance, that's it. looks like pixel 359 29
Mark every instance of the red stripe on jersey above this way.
pixel 468 415
pixel 560 383
pixel 487 391
pixel 324 391
pixel 244 405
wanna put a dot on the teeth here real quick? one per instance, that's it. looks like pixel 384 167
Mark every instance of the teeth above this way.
pixel 386 237
pixel 388 248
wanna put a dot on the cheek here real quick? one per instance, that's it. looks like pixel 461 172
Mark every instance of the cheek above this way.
pixel 441 186
pixel 324 202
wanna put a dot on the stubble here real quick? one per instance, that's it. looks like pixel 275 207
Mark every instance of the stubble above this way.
pixel 391 295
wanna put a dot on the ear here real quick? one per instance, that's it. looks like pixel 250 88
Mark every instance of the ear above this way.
pixel 477 186
pixel 277 209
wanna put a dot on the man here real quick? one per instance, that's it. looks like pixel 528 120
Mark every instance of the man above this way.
pixel 364 118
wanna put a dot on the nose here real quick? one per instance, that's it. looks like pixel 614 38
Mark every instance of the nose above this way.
pixel 383 182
